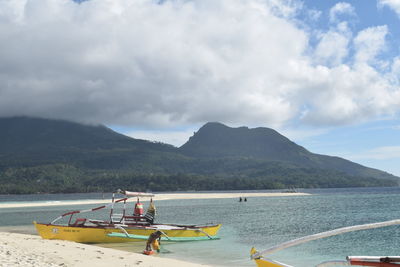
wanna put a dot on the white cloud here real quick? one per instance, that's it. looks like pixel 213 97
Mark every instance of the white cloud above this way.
pixel 394 75
pixel 333 46
pixel 172 137
pixel 369 43
pixel 349 95
pixel 393 4
pixel 285 8
pixel 341 8
pixel 299 135
pixel 379 153
pixel 139 63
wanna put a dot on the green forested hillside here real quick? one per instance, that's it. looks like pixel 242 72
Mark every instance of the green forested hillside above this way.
pixel 215 140
pixel 40 155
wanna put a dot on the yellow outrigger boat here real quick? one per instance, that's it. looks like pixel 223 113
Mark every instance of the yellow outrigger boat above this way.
pixel 123 227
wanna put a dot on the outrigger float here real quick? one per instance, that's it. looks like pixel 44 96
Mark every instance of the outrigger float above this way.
pixel 377 261
pixel 122 227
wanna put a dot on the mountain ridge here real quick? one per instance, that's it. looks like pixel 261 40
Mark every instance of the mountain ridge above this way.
pixel 68 157
pixel 248 142
pixel 268 144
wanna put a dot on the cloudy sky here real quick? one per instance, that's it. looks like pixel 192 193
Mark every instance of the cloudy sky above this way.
pixel 324 73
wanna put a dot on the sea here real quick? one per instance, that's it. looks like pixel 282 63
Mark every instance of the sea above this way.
pixel 261 222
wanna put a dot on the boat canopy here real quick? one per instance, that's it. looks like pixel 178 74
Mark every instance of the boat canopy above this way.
pixel 118 218
pixel 135 194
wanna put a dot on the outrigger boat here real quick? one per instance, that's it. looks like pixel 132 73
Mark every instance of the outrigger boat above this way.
pixel 122 227
pixel 377 261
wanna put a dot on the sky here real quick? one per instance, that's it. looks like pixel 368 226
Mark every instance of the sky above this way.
pixel 323 73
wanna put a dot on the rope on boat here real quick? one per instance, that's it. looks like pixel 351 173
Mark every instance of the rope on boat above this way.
pixel 338 231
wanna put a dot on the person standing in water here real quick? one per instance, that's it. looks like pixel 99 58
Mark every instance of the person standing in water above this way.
pixel 154 241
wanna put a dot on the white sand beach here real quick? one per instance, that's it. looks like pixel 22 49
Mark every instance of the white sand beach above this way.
pixel 157 197
pixel 33 251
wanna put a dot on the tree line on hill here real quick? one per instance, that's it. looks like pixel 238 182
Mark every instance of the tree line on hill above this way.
pixel 63 178
pixel 53 156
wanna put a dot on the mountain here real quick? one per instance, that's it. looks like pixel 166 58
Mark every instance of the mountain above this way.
pixel 24 135
pixel 32 141
pixel 218 140
pixel 43 155
pixel 215 140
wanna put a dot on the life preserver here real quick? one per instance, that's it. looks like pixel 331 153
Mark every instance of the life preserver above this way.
pixel 138 209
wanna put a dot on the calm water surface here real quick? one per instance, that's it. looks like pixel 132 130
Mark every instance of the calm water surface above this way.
pixel 261 222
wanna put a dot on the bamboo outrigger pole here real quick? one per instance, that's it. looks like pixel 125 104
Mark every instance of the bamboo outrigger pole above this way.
pixel 309 238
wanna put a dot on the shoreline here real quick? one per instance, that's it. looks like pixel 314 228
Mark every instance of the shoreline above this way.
pixel 26 249
pixel 157 197
pixel 30 250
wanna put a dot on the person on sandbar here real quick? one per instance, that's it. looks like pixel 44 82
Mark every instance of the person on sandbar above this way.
pixel 152 242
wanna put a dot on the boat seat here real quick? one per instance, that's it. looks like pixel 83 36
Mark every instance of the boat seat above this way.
pixel 134 217
pixel 136 220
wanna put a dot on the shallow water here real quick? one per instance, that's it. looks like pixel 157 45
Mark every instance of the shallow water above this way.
pixel 261 222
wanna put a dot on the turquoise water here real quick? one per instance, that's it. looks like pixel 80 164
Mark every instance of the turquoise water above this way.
pixel 261 222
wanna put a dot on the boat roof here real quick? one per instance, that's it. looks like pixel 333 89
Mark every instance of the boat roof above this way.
pixel 135 194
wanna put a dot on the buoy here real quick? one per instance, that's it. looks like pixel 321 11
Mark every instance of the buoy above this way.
pixel 148 252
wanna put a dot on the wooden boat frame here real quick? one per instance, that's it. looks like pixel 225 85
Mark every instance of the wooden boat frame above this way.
pixel 121 227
